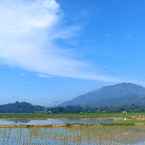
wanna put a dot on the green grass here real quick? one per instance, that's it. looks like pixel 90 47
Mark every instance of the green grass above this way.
pixel 117 117
pixel 23 116
pixel 65 115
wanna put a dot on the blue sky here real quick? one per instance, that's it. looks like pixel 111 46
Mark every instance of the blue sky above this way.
pixel 51 51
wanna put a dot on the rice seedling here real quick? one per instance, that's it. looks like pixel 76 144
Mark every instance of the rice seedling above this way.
pixel 73 135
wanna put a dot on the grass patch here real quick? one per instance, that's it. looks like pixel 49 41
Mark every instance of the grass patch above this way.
pixel 132 118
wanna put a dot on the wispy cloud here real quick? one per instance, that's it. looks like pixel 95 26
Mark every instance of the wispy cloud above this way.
pixel 29 31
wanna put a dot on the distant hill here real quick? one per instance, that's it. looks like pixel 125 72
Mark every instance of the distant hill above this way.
pixel 20 107
pixel 114 95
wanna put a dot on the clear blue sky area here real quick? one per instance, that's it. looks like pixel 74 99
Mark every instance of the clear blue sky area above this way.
pixel 54 50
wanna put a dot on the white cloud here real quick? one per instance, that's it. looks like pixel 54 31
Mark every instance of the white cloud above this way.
pixel 28 34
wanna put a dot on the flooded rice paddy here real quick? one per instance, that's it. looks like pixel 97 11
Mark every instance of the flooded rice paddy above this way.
pixel 62 121
pixel 91 133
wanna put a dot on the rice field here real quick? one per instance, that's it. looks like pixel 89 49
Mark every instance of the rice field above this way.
pixel 73 131
pixel 74 135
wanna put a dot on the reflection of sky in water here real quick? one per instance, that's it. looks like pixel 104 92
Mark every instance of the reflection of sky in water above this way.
pixel 55 122
pixel 70 136
pixel 88 135
pixel 30 122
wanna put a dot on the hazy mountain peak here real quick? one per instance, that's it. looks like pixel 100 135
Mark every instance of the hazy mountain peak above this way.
pixel 118 94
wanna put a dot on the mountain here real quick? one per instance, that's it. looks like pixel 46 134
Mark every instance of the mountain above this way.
pixel 20 107
pixel 114 95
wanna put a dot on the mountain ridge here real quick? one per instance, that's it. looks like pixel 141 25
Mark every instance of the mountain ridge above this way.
pixel 113 95
pixel 20 107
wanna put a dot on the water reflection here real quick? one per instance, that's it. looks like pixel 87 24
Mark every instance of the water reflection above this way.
pixel 78 135
pixel 63 121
